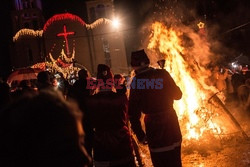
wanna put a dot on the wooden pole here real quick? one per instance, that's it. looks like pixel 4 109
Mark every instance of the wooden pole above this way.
pixel 236 123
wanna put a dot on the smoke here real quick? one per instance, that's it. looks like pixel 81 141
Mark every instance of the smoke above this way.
pixel 201 45
pixel 202 48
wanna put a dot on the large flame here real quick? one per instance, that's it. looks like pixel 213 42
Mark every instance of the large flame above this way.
pixel 194 111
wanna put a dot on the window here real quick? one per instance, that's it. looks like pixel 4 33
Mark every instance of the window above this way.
pixel 32 4
pixel 25 4
pixel 26 15
pixel 106 52
pixel 100 10
pixel 109 11
pixel 26 25
pixel 92 14
pixel 35 24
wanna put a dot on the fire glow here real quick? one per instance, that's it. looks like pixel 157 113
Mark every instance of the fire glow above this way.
pixel 193 110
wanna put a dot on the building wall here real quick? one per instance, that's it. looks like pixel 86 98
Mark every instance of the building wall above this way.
pixel 107 43
pixel 107 40
pixel 99 9
pixel 27 52
pixel 27 14
pixel 100 45
pixel 79 41
pixel 28 49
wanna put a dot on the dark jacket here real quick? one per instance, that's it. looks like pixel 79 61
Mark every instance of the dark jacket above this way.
pixel 80 94
pixel 156 102
pixel 112 140
pixel 79 90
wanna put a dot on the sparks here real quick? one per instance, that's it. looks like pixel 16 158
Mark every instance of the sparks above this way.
pixel 195 118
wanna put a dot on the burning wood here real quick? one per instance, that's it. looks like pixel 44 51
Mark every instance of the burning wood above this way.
pixel 197 116
pixel 218 101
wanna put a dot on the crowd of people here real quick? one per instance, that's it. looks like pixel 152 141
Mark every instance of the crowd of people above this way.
pixel 90 123
pixel 235 84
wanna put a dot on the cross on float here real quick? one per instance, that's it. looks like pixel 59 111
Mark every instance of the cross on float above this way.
pixel 65 35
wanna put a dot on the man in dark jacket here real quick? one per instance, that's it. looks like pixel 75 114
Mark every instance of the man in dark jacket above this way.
pixel 153 92
pixel 80 93
pixel 112 144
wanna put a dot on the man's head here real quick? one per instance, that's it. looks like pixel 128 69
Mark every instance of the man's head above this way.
pixel 83 74
pixel 139 59
pixel 104 72
pixel 48 129
pixel 43 77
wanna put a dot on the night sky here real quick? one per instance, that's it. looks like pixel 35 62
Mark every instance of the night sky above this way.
pixel 224 15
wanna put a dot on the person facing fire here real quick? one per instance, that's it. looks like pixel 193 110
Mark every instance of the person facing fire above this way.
pixel 120 84
pixel 80 93
pixel 220 76
pixel 112 145
pixel 162 128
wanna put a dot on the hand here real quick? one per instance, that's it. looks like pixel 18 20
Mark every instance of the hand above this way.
pixel 144 141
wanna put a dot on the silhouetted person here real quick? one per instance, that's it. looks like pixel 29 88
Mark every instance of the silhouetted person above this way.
pixel 243 93
pixel 43 80
pixel 237 80
pixel 153 92
pixel 120 84
pixel 112 144
pixel 247 106
pixel 79 92
pixel 23 88
pixel 42 130
pixel 63 84
pixel 79 89
pixel 4 94
pixel 220 75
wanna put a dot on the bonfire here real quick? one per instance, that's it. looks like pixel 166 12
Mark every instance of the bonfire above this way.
pixel 204 119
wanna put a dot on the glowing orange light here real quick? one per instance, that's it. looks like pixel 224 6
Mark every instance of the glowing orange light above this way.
pixel 201 25
pixel 62 17
pixel 193 109
pixel 116 23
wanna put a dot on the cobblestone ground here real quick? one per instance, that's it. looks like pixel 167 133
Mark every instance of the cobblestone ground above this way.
pixel 229 150
pixel 234 153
